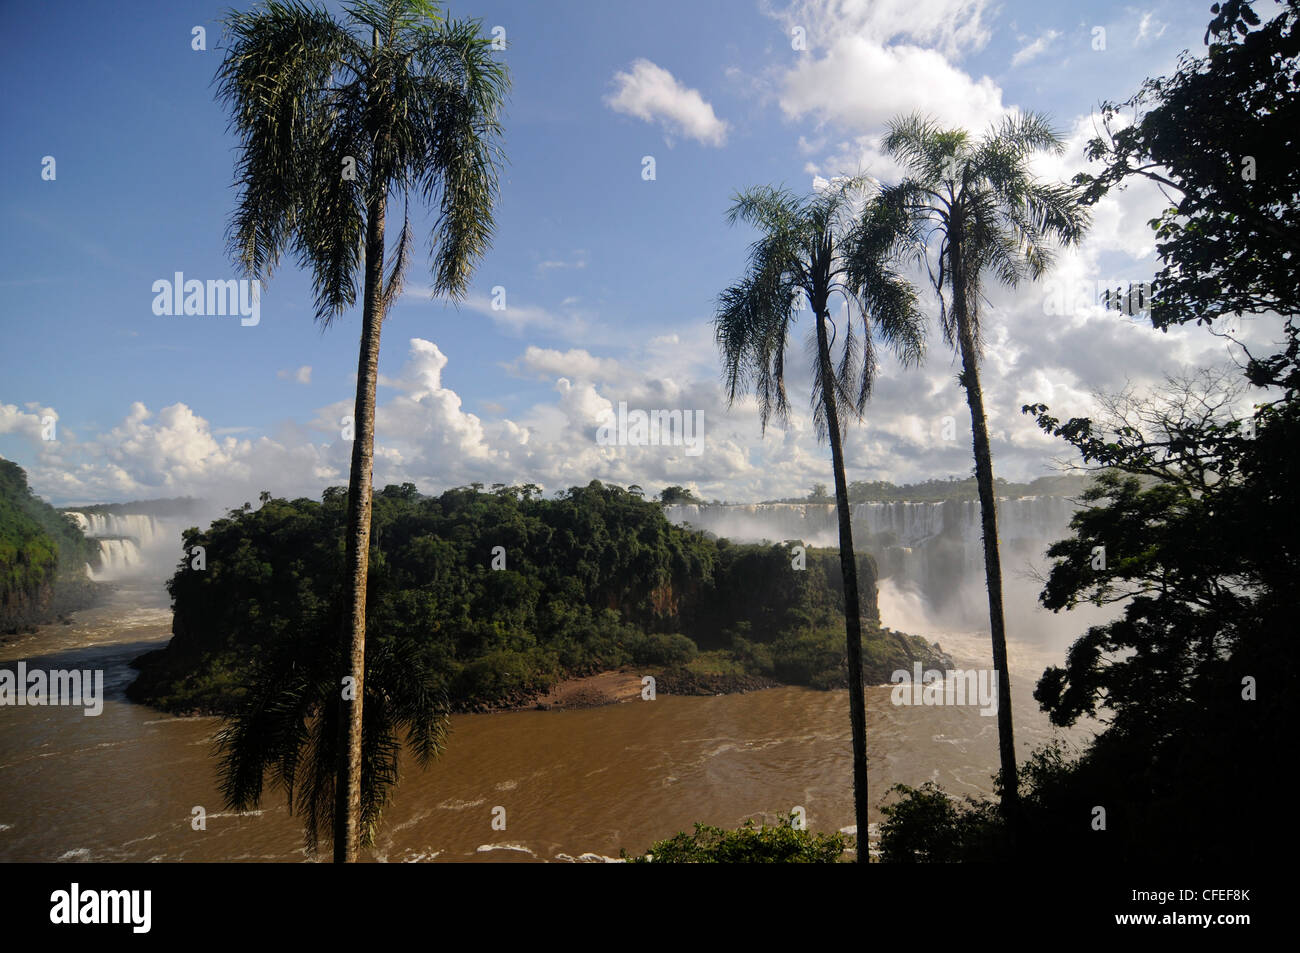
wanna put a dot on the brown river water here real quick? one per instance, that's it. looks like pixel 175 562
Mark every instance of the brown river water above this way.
pixel 574 785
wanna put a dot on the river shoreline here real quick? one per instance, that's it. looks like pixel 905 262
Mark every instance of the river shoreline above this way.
pixel 577 693
pixel 626 684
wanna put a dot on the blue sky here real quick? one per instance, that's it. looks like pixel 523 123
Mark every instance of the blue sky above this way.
pixel 610 279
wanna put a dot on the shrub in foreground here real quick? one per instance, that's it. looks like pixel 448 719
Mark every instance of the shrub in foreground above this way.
pixel 783 844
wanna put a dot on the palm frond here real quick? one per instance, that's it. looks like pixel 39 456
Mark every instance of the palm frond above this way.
pixel 841 240
pixel 993 217
pixel 397 272
pixel 914 141
pixel 1025 133
pixel 453 107
pixel 287 78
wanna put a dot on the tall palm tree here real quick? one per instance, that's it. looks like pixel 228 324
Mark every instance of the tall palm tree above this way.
pixel 335 119
pixel 971 208
pixel 810 249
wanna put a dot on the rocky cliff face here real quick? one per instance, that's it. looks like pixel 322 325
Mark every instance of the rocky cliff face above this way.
pixel 23 609
pixel 758 591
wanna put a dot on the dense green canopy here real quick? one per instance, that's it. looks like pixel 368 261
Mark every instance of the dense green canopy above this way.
pixel 41 551
pixel 593 579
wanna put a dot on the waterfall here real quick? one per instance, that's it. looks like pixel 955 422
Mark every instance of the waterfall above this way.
pixel 124 540
pixel 142 528
pixel 929 553
pixel 1020 521
pixel 118 557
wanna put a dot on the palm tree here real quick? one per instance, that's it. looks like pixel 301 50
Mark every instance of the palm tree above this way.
pixel 335 119
pixel 976 206
pixel 831 242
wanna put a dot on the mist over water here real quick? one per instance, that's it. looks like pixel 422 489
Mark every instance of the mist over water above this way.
pixel 930 557
pixel 135 547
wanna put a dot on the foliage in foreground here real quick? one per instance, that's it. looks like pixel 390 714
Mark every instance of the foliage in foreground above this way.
pixel 928 825
pixel 783 844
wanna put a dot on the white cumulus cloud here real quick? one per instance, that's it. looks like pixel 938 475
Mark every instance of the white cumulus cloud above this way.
pixel 302 375
pixel 647 91
pixel 1035 48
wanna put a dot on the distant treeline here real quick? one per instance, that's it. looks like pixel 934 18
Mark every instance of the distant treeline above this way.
pixel 504 592
pixel 162 509
pixel 953 488
pixel 43 556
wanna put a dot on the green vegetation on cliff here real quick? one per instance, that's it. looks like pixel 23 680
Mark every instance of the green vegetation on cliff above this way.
pixel 43 556
pixel 503 593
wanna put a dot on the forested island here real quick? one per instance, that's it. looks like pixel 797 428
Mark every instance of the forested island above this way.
pixel 503 593
pixel 43 557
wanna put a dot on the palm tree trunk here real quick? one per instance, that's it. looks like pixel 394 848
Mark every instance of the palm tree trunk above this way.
pixel 347 808
pixel 970 379
pixel 852 604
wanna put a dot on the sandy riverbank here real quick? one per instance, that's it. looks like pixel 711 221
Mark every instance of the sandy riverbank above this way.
pixel 591 691
pixel 625 685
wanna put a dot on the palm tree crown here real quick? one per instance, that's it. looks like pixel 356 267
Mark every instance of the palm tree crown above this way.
pixel 834 241
pixel 332 124
pixel 981 204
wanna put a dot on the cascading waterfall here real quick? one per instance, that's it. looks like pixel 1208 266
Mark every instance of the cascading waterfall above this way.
pixel 908 524
pixel 117 557
pixel 124 539
pixel 929 553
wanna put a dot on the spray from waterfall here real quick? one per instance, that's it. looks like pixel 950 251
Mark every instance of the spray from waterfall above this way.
pixel 130 544
pixel 930 557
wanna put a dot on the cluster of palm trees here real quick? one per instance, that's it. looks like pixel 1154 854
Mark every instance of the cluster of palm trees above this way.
pixel 337 120
pixel 967 209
